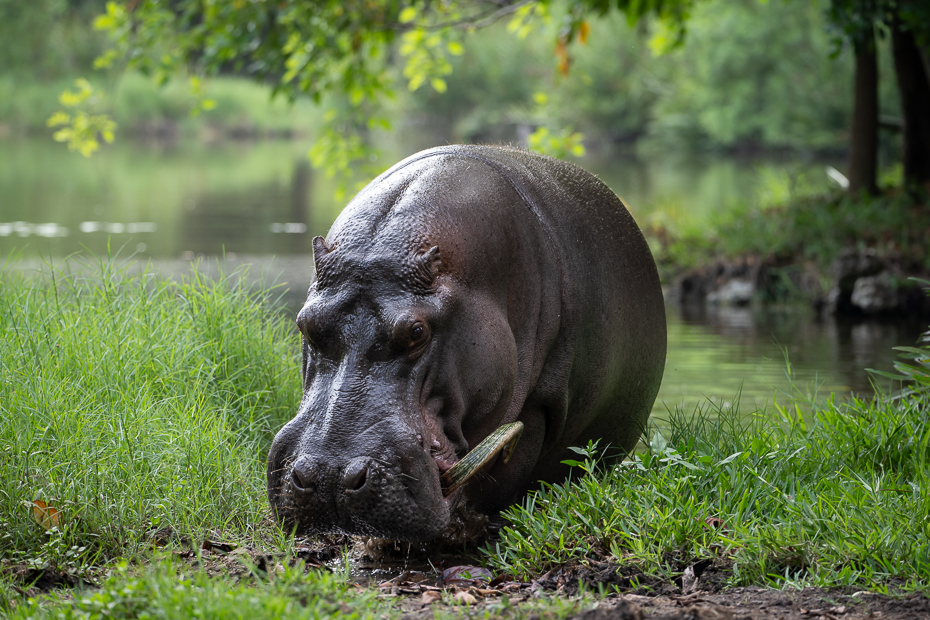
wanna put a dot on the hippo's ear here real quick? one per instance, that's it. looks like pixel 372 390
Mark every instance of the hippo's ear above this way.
pixel 320 249
pixel 428 265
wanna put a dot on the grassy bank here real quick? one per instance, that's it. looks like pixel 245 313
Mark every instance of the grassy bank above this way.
pixel 841 499
pixel 136 412
pixel 132 404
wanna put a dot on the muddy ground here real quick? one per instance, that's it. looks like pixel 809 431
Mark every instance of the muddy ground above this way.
pixel 420 591
pixel 658 601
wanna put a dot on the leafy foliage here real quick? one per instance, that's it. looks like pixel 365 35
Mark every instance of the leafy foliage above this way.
pixel 314 48
pixel 914 366
pixel 560 145
pixel 796 97
pixel 79 128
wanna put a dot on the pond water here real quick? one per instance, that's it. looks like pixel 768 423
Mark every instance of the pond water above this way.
pixel 251 201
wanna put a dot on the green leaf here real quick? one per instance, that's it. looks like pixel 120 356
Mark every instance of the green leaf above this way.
pixel 58 118
pixel 408 15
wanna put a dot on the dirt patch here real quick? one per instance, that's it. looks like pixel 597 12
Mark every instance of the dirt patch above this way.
pixel 637 597
pixel 418 593
pixel 29 581
pixel 759 603
pixel 732 604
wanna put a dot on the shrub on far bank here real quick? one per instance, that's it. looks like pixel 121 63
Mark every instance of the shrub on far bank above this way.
pixel 810 229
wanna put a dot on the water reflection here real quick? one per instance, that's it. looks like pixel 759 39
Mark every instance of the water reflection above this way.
pixel 264 198
pixel 118 227
pixel 717 353
pixel 192 200
pixel 26 229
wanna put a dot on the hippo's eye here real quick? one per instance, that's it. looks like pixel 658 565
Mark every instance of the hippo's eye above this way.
pixel 311 333
pixel 417 336
pixel 411 336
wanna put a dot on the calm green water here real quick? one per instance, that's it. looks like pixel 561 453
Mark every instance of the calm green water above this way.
pixel 257 200
pixel 720 354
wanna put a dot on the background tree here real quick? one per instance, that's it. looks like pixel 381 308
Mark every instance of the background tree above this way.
pixel 47 39
pixel 857 22
pixel 910 29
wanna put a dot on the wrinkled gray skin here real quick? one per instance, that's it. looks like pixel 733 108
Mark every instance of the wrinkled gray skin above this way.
pixel 465 288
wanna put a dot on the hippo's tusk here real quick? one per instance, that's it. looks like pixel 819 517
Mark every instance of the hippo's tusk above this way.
pixel 505 438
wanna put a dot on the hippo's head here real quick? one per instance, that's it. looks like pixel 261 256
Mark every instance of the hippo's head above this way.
pixel 365 452
pixel 393 391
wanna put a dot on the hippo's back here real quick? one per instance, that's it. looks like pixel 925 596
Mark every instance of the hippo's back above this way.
pixel 601 377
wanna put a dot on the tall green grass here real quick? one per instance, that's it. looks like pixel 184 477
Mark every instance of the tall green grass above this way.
pixel 131 403
pixel 840 497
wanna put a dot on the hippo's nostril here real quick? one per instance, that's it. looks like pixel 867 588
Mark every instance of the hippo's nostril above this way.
pixel 304 476
pixel 356 474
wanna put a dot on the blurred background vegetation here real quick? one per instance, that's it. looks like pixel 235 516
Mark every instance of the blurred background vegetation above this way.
pixel 664 87
pixel 750 77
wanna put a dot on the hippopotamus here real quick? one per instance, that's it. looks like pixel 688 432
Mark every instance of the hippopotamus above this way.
pixel 465 288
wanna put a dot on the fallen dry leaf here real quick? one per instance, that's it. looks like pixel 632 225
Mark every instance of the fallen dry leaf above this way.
pixel 715 523
pixel 222 547
pixel 464 597
pixel 485 592
pixel 45 515
pixel 465 576
pixel 431 596
pixel 500 579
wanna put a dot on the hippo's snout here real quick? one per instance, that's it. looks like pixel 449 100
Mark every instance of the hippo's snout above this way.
pixel 388 496
pixel 306 474
pixel 356 475
pixel 309 471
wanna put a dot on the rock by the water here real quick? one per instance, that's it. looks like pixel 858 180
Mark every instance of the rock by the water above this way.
pixel 733 293
pixel 875 294
pixel 851 266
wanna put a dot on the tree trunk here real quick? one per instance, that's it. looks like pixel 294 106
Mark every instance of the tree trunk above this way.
pixel 863 153
pixel 914 87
